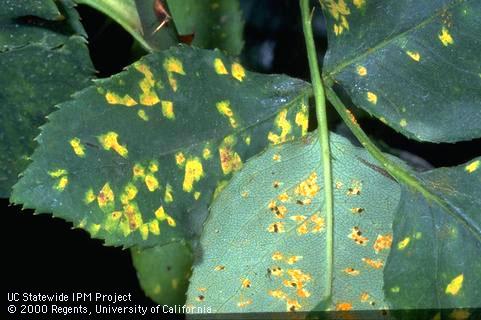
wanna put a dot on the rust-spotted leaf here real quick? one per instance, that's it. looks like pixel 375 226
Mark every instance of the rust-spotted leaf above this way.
pixel 135 159
pixel 264 243
pixel 413 64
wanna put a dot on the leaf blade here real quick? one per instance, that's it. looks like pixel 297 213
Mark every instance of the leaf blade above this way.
pixel 148 159
pixel 418 41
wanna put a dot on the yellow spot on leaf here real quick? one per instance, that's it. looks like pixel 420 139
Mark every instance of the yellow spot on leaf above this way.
pixel 224 108
pixel 62 183
pixel 94 229
pixel 238 71
pixel 351 271
pixel 168 110
pixel 343 306
pixel 149 96
pixel 293 259
pixel 244 303
pixel 382 242
pixel 319 223
pixel 246 283
pixel 302 229
pixel 57 173
pixel 395 289
pixel 248 140
pixel 77 147
pixel 278 294
pixel 455 285
pixel 220 67
pixel 403 243
pixel 276 271
pixel 403 123
pixel 376 264
pixel 276 227
pixel 138 171
pixel 193 173
pixel 283 197
pixel 126 100
pixel 151 182
pixel 109 141
pixel 309 187
pixel 168 196
pixel 302 119
pixel 89 196
pixel 473 166
pixel 372 97
pixel 339 11
pixel 285 127
pixel 357 236
pixel 154 227
pixel 153 166
pixel 364 297
pixel 416 56
pixel 276 157
pixel 230 160
pixel 219 268
pixel 445 37
pixel 206 153
pixel 142 115
pixel 292 305
pixel 171 222
pixel 106 197
pixel 197 195
pixel 173 65
pixel 129 193
pixel 359 3
pixel 144 231
pixel 180 159
pixel 362 71
pixel 277 256
pixel 134 217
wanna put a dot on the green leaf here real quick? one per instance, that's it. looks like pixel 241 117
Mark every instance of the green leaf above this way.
pixel 124 12
pixel 413 64
pixel 42 63
pixel 214 24
pixel 264 242
pixel 436 256
pixel 164 272
pixel 136 158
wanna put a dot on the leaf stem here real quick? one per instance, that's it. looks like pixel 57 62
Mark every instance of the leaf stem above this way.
pixel 399 173
pixel 323 132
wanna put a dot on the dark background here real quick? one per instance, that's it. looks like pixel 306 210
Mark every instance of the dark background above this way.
pixel 44 255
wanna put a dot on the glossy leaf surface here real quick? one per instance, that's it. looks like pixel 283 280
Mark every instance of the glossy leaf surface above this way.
pixel 436 256
pixel 164 272
pixel 44 59
pixel 144 151
pixel 264 243
pixel 412 64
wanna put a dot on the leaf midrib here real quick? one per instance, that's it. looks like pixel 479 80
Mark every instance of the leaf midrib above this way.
pixel 341 66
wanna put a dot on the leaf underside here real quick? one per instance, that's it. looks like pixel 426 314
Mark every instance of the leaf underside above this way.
pixel 412 64
pixel 40 68
pixel 144 150
pixel 264 242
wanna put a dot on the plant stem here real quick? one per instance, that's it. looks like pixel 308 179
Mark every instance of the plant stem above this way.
pixel 323 140
pixel 399 173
